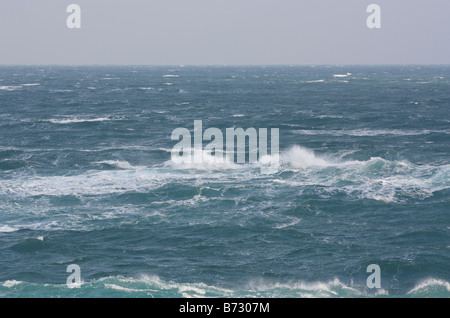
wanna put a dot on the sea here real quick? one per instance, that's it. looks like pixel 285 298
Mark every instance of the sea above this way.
pixel 87 178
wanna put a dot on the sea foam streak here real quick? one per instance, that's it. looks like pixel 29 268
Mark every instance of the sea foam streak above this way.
pixel 368 132
pixel 10 88
pixel 77 120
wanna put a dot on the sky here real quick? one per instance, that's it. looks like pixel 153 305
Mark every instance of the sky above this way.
pixel 224 32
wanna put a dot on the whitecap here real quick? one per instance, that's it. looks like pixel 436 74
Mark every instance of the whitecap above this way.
pixel 10 88
pixel 125 289
pixel 7 229
pixel 77 120
pixel 120 164
pixel 11 283
pixel 329 116
pixel 293 222
pixel 299 157
pixel 61 90
pixel 340 75
pixel 316 81
pixel 31 84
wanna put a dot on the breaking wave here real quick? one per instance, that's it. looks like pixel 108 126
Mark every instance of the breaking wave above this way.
pixel 376 178
pixel 155 287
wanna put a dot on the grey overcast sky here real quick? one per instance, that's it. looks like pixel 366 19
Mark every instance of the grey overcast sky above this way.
pixel 227 32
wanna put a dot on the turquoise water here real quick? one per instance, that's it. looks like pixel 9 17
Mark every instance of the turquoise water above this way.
pixel 86 178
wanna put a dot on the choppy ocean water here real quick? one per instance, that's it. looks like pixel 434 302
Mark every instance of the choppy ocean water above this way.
pixel 86 178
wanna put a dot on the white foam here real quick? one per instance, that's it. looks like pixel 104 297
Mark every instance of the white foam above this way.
pixel 89 183
pixel 106 182
pixel 171 76
pixel 340 75
pixel 61 90
pixel 154 286
pixel 238 115
pixel 293 222
pixel 11 283
pixel 316 81
pixel 7 229
pixel 186 289
pixel 10 88
pixel 32 84
pixel 125 289
pixel 77 120
pixel 121 164
pixel 329 116
pixel 299 157
pixel 209 162
pixel 376 178
pixel 190 288
pixel 305 289
pixel 367 132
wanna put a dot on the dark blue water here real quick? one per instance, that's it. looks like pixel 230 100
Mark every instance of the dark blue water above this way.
pixel 86 178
